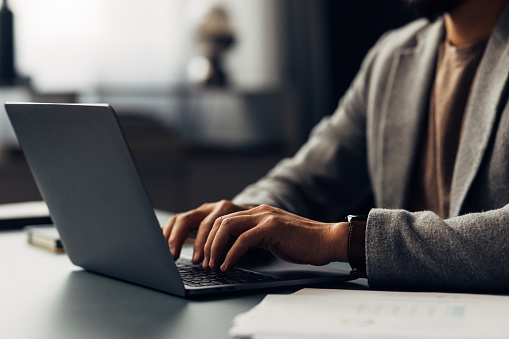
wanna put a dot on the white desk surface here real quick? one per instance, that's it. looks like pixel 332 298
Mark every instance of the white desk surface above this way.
pixel 43 295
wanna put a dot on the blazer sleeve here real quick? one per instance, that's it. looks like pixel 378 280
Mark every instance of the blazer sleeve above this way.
pixel 421 251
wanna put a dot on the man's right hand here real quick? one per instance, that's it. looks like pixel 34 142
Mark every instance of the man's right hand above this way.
pixel 179 226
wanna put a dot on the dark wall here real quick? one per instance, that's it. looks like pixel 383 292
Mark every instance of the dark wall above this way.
pixel 354 27
pixel 323 45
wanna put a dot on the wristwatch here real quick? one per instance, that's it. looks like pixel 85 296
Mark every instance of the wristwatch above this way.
pixel 357 245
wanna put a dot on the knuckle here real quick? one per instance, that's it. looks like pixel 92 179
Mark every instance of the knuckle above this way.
pixel 172 219
pixel 166 227
pixel 183 218
pixel 218 222
pixel 224 204
pixel 269 209
pixel 242 239
pixel 172 239
pixel 226 222
pixel 270 219
pixel 204 227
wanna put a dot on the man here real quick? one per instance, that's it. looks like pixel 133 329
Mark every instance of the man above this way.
pixel 420 142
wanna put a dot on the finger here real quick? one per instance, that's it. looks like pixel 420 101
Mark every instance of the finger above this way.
pixel 254 237
pixel 221 208
pixel 235 211
pixel 183 224
pixel 254 212
pixel 176 238
pixel 168 227
pixel 228 230
pixel 208 242
pixel 201 238
pixel 210 239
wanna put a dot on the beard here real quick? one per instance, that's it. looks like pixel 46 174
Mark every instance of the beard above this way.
pixel 433 8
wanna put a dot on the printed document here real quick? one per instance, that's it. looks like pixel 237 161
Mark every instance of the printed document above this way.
pixel 325 313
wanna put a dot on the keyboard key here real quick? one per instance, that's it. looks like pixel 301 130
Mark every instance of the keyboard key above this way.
pixel 196 275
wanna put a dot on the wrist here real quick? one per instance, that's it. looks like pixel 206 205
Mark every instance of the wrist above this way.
pixel 339 242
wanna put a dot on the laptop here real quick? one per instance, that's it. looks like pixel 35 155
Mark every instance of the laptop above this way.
pixel 85 172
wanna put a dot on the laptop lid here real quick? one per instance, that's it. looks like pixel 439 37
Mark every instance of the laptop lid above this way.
pixel 86 174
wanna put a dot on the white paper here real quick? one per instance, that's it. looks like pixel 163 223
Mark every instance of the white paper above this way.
pixel 317 313
pixel 24 210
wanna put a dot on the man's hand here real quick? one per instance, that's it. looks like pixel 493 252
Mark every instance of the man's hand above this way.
pixel 287 236
pixel 202 218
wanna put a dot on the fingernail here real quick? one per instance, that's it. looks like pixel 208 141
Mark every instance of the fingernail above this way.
pixel 224 267
pixel 211 263
pixel 205 263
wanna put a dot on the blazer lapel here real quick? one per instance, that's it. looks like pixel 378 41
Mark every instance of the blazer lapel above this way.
pixel 481 115
pixel 403 113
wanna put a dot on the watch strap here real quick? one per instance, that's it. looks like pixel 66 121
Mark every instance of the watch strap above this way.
pixel 357 245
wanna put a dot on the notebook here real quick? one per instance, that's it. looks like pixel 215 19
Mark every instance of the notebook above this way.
pixel 85 172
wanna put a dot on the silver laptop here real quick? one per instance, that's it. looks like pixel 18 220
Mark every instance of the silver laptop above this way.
pixel 87 176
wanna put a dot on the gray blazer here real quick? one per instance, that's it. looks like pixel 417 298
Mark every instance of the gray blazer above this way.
pixel 362 157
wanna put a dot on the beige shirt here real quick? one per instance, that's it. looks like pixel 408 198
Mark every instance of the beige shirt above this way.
pixel 456 69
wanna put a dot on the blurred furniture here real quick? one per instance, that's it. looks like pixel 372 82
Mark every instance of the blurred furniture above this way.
pixel 16 181
pixel 191 145
pixel 177 177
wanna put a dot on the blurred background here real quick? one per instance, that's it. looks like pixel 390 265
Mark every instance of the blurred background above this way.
pixel 210 93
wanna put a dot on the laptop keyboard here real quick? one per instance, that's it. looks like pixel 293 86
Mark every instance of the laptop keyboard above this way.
pixel 196 276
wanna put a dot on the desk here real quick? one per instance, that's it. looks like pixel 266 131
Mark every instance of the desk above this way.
pixel 43 295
